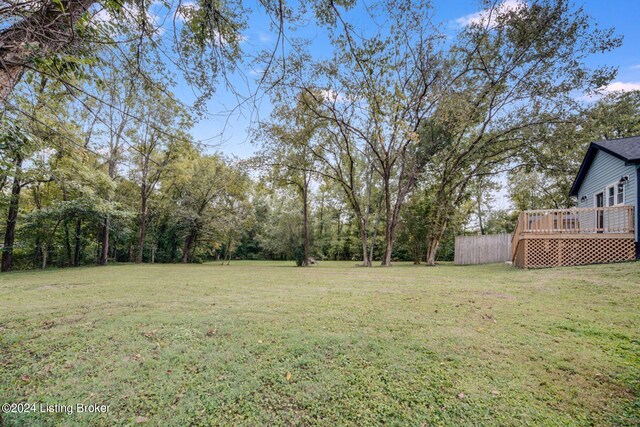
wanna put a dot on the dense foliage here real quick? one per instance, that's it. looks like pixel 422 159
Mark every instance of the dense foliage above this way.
pixel 386 149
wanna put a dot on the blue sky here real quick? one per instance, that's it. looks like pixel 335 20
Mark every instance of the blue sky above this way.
pixel 229 133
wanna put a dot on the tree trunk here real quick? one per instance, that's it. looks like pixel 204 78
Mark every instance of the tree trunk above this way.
pixel 67 235
pixel 67 245
pixel 375 232
pixel 104 253
pixel 229 252
pixel 321 231
pixel 339 231
pixel 393 214
pixel 431 251
pixel 37 256
pixel 388 232
pixel 417 251
pixel 9 78
pixel 12 217
pixel 388 248
pixel 373 244
pixel 78 247
pixel 434 243
pixel 45 252
pixel 366 262
pixel 186 251
pixel 194 245
pixel 446 201
pixel 480 222
pixel 305 224
pixel 174 249
pixel 143 223
pixel 389 241
pixel 37 253
pixel 50 28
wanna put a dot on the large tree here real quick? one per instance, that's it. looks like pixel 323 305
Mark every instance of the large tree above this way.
pixel 512 71
pixel 205 189
pixel 13 144
pixel 287 154
pixel 381 83
pixel 154 142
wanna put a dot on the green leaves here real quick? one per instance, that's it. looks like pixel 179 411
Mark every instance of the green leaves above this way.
pixel 59 5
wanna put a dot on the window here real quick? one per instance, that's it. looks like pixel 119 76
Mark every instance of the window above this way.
pixel 620 195
pixel 615 194
pixel 610 196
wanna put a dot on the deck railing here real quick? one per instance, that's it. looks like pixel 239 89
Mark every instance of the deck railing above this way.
pixel 609 220
pixel 516 234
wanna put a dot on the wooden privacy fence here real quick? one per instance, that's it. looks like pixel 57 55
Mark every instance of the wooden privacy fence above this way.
pixel 482 249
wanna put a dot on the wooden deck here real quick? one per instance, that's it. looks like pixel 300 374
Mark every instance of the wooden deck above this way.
pixel 563 237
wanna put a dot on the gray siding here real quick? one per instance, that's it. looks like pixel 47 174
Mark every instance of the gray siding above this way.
pixel 606 170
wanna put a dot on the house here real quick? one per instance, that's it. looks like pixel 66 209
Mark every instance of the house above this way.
pixel 602 228
pixel 609 176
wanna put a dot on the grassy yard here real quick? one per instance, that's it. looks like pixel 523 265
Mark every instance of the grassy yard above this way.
pixel 267 343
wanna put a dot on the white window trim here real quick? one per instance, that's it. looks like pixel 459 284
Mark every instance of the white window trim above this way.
pixel 595 198
pixel 615 194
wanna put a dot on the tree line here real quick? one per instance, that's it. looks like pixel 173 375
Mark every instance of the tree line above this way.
pixel 384 149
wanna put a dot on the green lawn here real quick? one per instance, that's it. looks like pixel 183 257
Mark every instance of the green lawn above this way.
pixel 270 344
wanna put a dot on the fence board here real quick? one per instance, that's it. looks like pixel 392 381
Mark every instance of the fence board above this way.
pixel 482 249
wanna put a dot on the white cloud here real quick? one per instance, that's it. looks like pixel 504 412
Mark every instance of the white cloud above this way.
pixel 222 40
pixel 620 87
pixel 102 16
pixel 332 95
pixel 129 14
pixel 156 23
pixel 610 88
pixel 185 9
pixel 490 14
pixel 264 37
pixel 635 67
